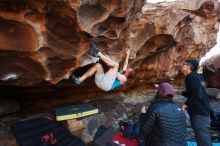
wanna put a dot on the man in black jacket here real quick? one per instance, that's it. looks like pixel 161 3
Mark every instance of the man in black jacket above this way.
pixel 197 103
pixel 164 123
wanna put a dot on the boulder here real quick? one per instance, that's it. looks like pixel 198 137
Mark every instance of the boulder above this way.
pixel 211 71
pixel 46 41
pixel 213 93
pixel 8 106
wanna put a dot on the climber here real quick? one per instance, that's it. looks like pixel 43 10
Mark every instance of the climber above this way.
pixel 112 78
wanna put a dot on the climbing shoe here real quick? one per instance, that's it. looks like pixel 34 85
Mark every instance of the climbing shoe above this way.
pixel 76 80
pixel 94 50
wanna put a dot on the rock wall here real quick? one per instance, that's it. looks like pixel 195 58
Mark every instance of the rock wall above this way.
pixel 44 42
pixel 211 71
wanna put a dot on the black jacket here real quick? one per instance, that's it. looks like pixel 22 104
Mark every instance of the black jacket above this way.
pixel 164 124
pixel 197 99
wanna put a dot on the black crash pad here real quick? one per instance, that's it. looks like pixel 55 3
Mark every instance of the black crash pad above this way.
pixel 43 131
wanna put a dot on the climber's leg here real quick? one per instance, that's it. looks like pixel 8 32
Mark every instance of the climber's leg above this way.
pixel 96 69
pixel 106 81
pixel 108 60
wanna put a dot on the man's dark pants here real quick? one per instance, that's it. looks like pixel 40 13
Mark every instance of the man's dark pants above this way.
pixel 201 127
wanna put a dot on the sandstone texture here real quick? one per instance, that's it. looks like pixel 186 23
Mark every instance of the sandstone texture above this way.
pixel 44 42
pixel 211 71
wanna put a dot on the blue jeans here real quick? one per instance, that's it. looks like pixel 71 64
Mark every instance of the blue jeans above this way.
pixel 201 127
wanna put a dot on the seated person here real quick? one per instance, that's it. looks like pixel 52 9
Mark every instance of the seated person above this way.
pixel 164 123
pixel 112 78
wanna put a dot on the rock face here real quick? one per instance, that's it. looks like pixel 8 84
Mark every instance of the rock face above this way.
pixel 213 92
pixel 8 106
pixel 211 71
pixel 7 138
pixel 46 41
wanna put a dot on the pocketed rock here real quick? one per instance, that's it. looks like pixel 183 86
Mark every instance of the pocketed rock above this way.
pixel 211 71
pixel 213 92
pixel 7 139
pixel 46 41
pixel 8 106
pixel 75 126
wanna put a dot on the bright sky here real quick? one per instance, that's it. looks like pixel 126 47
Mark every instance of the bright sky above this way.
pixel 215 50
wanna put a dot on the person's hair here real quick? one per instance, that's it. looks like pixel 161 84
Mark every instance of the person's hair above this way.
pixel 158 96
pixel 131 73
pixel 169 95
pixel 194 64
pixel 191 66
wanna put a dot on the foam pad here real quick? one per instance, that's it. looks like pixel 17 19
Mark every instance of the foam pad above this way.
pixel 43 131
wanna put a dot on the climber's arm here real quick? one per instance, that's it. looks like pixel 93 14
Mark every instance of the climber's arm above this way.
pixel 121 77
pixel 126 60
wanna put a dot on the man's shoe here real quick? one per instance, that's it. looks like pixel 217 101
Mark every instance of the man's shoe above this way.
pixel 75 79
pixel 93 50
pixel 93 53
pixel 93 46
